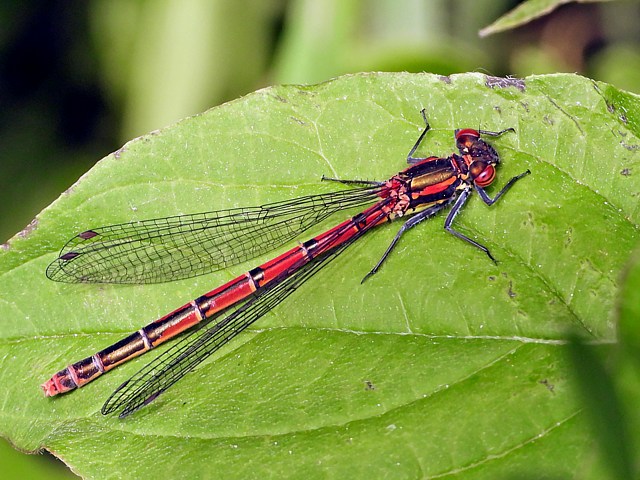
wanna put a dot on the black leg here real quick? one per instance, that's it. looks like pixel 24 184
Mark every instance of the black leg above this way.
pixel 457 206
pixel 490 201
pixel 462 198
pixel 496 134
pixel 410 159
pixel 412 222
pixel 351 182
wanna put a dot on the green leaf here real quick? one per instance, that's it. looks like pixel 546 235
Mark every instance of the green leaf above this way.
pixel 526 12
pixel 442 363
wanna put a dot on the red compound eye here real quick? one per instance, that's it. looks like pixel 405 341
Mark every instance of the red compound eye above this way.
pixel 463 133
pixel 465 139
pixel 484 176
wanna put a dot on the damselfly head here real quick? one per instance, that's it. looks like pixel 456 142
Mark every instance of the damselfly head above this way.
pixel 474 148
pixel 478 155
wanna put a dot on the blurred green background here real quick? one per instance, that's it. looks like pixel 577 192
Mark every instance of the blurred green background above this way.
pixel 78 79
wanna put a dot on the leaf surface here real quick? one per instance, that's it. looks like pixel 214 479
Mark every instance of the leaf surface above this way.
pixel 442 363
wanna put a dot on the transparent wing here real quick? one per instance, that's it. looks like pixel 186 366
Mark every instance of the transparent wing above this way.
pixel 173 248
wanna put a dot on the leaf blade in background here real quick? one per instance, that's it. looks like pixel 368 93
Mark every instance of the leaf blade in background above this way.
pixel 441 363
pixel 526 12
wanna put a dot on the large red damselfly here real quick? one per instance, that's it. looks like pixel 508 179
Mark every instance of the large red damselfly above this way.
pixel 184 246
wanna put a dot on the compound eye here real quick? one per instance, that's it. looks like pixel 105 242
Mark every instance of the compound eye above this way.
pixel 482 174
pixel 467 134
pixel 465 138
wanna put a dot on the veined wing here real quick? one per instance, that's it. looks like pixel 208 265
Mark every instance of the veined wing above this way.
pixel 173 248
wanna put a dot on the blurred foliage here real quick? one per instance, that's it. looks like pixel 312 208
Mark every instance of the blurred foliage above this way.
pixel 526 12
pixel 17 465
pixel 78 79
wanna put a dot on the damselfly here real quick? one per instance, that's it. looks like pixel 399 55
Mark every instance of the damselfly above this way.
pixel 184 246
